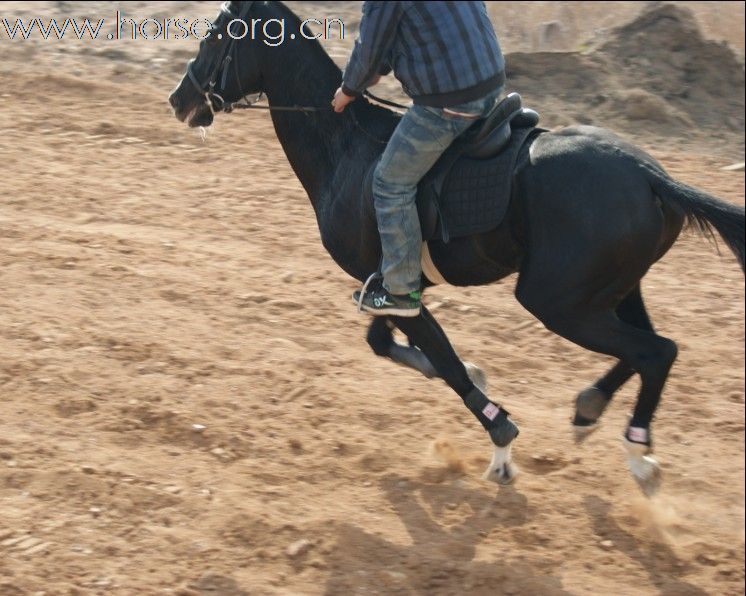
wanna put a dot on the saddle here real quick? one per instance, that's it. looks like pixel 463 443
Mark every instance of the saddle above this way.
pixel 490 135
pixel 467 191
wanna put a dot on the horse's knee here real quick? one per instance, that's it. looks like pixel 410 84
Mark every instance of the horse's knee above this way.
pixel 379 337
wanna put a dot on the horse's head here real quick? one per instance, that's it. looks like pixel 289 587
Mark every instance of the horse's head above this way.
pixel 225 69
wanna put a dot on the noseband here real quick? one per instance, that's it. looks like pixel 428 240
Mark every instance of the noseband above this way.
pixel 228 55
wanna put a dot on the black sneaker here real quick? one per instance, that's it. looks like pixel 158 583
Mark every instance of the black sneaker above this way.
pixel 380 302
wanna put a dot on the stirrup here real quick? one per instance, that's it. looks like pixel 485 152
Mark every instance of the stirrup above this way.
pixel 371 277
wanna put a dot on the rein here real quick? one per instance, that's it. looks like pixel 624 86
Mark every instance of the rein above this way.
pixel 229 55
pixel 253 105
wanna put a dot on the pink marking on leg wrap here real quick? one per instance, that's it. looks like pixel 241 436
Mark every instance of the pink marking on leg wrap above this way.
pixel 637 434
pixel 491 411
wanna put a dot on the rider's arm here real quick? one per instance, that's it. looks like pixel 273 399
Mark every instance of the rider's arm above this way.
pixel 378 28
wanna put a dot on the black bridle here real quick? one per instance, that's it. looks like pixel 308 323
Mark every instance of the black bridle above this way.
pixel 228 56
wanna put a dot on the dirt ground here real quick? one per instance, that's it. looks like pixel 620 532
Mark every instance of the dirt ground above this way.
pixel 188 405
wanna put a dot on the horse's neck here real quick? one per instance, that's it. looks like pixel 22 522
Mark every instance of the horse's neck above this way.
pixel 305 76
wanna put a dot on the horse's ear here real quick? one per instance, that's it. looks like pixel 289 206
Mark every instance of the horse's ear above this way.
pixel 237 7
pixel 242 7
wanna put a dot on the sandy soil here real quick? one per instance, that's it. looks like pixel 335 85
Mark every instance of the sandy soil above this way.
pixel 148 284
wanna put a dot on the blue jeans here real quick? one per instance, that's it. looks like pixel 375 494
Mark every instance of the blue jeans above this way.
pixel 421 137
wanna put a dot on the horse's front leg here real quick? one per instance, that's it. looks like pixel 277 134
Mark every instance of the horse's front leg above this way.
pixel 429 337
pixel 381 340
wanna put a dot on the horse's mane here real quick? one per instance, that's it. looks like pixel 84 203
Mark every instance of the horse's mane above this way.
pixel 375 122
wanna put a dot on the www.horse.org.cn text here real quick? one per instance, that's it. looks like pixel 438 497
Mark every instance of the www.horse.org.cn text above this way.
pixel 272 32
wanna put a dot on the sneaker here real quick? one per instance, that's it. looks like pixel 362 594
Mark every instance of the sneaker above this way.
pixel 380 302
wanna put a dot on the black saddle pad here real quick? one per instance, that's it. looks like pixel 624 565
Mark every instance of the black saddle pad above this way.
pixel 460 196
pixel 471 196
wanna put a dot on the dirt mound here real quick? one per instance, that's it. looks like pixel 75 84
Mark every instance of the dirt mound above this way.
pixel 664 53
pixel 657 71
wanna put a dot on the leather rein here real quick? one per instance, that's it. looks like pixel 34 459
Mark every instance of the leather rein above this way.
pixel 228 56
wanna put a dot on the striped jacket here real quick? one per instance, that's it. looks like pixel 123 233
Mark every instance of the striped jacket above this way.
pixel 443 53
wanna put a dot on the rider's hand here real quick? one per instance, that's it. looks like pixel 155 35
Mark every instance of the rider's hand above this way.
pixel 341 99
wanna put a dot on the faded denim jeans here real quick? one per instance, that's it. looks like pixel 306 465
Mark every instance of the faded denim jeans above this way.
pixel 421 137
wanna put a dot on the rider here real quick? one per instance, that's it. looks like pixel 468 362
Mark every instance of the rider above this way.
pixel 448 60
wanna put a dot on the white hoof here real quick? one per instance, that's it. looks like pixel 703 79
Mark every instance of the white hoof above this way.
pixel 477 376
pixel 581 433
pixel 504 475
pixel 501 469
pixel 644 467
pixel 647 473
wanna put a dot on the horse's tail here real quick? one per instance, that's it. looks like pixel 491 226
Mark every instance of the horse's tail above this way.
pixel 703 212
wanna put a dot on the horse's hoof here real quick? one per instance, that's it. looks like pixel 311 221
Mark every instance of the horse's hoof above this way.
pixel 582 432
pixel 504 474
pixel 477 376
pixel 646 471
pixel 590 404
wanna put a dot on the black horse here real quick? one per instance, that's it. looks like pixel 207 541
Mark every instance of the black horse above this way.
pixel 589 215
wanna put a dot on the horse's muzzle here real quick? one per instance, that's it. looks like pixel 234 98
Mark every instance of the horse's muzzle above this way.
pixel 185 100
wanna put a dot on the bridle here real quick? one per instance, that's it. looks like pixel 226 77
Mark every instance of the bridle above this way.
pixel 228 55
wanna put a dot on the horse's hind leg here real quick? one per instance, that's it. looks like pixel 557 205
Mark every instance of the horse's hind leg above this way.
pixel 597 328
pixel 381 340
pixel 425 333
pixel 592 401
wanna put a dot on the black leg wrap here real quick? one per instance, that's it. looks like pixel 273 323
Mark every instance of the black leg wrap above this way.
pixel 379 337
pixel 590 405
pixel 493 418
